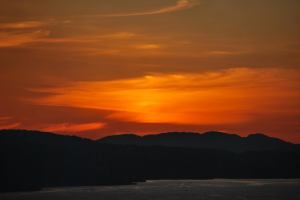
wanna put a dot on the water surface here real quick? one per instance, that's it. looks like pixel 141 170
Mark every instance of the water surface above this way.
pixel 173 190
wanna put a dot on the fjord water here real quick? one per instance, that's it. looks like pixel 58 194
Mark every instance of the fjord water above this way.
pixel 218 189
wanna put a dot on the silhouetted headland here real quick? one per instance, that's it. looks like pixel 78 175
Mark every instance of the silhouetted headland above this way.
pixel 32 160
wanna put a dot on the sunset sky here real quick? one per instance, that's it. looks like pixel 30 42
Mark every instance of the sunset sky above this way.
pixel 99 67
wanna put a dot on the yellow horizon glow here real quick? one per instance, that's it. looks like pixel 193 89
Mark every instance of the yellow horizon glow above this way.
pixel 210 98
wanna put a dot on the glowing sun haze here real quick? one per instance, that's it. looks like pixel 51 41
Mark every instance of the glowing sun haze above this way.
pixel 100 67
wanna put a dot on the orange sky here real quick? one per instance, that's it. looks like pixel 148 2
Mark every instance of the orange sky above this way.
pixel 100 67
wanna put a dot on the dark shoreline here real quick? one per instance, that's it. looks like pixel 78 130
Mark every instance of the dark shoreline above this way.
pixel 29 190
pixel 216 189
pixel 34 160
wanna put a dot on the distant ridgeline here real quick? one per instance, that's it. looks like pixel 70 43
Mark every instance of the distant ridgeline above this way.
pixel 209 140
pixel 32 160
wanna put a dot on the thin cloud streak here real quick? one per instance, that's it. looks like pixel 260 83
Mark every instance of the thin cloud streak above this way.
pixel 15 39
pixel 5 124
pixel 18 39
pixel 22 25
pixel 4 118
pixel 180 5
pixel 9 126
pixel 73 128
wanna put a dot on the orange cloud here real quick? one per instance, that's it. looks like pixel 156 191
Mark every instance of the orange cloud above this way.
pixel 8 39
pixel 13 39
pixel 180 5
pixel 22 25
pixel 211 98
pixel 4 123
pixel 4 118
pixel 73 128
pixel 148 46
pixel 119 35
pixel 9 126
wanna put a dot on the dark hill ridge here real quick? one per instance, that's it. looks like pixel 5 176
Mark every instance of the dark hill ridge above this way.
pixel 211 140
pixel 31 160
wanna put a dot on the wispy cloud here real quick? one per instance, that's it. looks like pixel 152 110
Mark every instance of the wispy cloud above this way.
pixel 22 25
pixel 24 37
pixel 9 126
pixel 73 128
pixel 4 118
pixel 180 5
pixel 148 46
pixel 5 124
pixel 119 35
pixel 8 39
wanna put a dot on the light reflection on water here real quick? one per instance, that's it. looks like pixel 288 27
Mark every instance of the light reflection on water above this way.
pixel 219 189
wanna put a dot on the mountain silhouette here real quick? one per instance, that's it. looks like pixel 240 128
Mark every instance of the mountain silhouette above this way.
pixel 211 140
pixel 32 160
